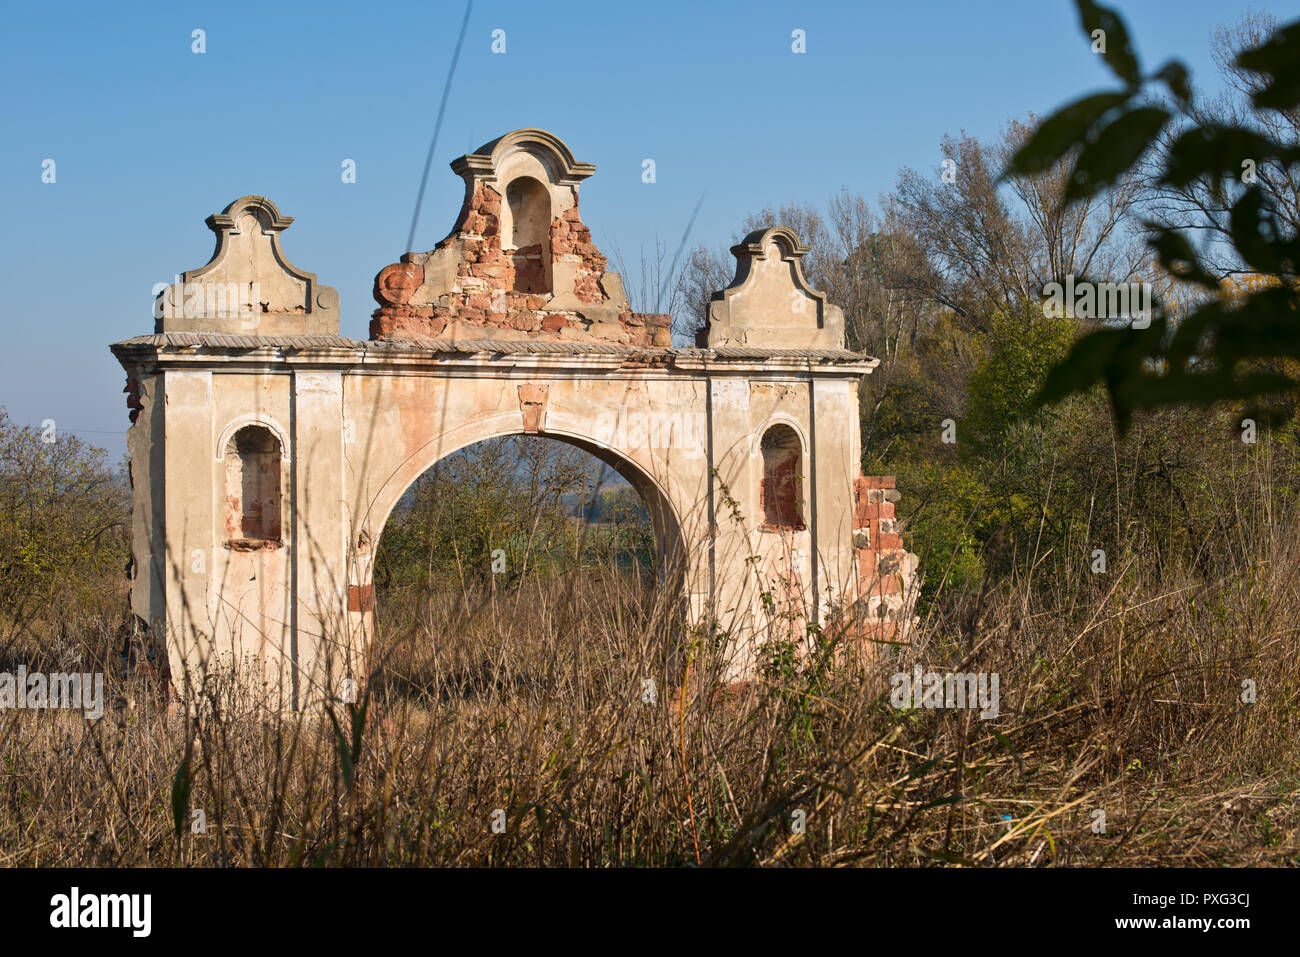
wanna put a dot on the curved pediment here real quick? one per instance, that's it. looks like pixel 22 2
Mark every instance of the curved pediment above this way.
pixel 562 168
pixel 249 285
pixel 770 302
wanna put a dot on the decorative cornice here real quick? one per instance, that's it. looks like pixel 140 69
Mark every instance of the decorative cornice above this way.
pixel 756 242
pixel 549 148
pixel 267 213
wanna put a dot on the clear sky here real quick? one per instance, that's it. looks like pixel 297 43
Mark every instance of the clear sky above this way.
pixel 149 137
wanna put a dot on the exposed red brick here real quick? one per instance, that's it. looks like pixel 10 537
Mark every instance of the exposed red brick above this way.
pixel 485 272
pixel 886 542
pixel 867 512
pixel 881 560
pixel 361 598
pixel 779 489
pixel 396 284
pixel 133 400
pixel 489 200
pixel 879 585
pixel 587 288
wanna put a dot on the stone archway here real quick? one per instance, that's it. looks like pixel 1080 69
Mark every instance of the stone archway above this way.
pixel 460 350
pixel 671 557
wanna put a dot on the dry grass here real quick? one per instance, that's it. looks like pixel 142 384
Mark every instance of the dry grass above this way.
pixel 1119 693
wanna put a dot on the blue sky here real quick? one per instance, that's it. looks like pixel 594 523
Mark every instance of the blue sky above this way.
pixel 149 138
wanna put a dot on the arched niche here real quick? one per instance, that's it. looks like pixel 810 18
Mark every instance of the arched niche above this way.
pixel 781 488
pixel 526 234
pixel 254 489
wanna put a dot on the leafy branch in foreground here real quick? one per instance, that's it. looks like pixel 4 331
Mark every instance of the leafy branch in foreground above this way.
pixel 1227 348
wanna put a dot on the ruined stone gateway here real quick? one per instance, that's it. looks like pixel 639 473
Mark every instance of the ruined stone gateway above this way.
pixel 267 451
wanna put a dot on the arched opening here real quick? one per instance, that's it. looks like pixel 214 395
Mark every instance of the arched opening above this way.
pixel 525 234
pixel 781 488
pixel 520 554
pixel 253 488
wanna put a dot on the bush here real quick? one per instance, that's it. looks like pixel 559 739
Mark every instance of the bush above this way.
pixel 64 539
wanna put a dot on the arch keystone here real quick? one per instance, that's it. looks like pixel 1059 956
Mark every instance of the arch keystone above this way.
pixel 532 405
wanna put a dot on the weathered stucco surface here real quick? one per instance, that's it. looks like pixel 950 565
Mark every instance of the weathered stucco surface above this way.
pixel 472 340
pixel 249 284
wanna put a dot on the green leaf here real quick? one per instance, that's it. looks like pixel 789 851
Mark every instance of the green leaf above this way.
pixel 1190 333
pixel 1176 77
pixel 1278 58
pixel 1006 743
pixel 940 802
pixel 1116 148
pixel 322 858
pixel 1118 51
pixel 1176 255
pixel 948 857
pixel 1215 152
pixel 1086 365
pixel 345 753
pixel 1265 417
pixel 1203 388
pixel 1254 384
pixel 1265 325
pixel 921 768
pixel 1277 54
pixel 182 783
pixel 1059 133
pixel 1255 233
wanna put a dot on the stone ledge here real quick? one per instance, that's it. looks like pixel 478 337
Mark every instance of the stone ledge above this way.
pixel 231 342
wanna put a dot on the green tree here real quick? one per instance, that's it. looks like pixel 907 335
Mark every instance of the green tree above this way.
pixel 1216 351
pixel 63 527
pixel 1025 346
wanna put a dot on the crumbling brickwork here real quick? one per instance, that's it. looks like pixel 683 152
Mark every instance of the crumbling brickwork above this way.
pixel 133 401
pixel 267 450
pixel 571 241
pixel 887 572
pixel 477 284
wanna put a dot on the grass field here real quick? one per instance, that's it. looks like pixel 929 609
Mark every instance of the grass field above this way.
pixel 515 727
